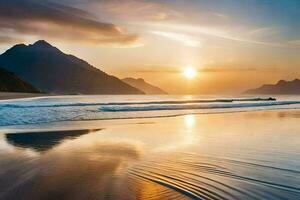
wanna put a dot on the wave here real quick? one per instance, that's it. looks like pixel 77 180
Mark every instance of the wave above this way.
pixel 192 106
pixel 166 102
pixel 55 110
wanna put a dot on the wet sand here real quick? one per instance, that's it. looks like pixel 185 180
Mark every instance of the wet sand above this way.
pixel 251 155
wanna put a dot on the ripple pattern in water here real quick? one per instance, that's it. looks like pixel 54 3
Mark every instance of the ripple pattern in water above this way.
pixel 251 155
pixel 200 177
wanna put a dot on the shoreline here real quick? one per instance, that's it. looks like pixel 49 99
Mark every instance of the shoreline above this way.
pixel 106 123
pixel 238 150
pixel 19 95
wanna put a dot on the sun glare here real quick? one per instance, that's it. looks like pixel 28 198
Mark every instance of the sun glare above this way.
pixel 189 72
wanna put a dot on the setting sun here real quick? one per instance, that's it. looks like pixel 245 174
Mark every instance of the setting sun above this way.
pixel 149 99
pixel 189 72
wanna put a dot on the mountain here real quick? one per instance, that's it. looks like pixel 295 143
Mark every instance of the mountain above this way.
pixel 53 71
pixel 282 87
pixel 9 82
pixel 142 85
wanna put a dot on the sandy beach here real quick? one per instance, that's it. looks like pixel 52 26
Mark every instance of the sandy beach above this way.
pixel 149 100
pixel 248 155
pixel 17 95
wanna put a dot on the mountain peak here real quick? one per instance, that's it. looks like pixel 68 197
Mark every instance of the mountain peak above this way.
pixel 281 82
pixel 140 79
pixel 53 71
pixel 42 43
pixel 281 87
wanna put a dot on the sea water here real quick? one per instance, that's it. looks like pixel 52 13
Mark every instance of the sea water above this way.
pixel 101 107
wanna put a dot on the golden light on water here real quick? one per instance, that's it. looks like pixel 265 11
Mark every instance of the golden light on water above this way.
pixel 190 72
pixel 189 121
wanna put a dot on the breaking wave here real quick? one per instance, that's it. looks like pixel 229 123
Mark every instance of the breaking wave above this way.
pixel 79 108
pixel 44 105
pixel 192 106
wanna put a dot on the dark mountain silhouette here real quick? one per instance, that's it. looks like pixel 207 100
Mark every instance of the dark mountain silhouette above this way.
pixel 50 70
pixel 9 82
pixel 142 85
pixel 282 87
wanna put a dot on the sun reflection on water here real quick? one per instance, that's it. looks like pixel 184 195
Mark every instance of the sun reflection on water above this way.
pixel 187 157
pixel 189 121
pixel 190 134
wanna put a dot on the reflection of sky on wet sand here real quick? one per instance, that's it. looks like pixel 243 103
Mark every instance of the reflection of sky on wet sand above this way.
pixel 221 156
pixel 72 170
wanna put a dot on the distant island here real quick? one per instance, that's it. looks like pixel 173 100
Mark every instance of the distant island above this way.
pixel 142 85
pixel 9 82
pixel 281 87
pixel 50 70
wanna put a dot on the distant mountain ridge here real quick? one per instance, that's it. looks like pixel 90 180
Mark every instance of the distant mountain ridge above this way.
pixel 52 71
pixel 281 87
pixel 142 85
pixel 9 82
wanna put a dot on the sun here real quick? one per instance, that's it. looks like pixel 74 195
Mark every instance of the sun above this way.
pixel 189 72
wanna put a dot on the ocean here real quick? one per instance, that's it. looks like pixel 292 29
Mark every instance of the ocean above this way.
pixel 100 107
pixel 150 147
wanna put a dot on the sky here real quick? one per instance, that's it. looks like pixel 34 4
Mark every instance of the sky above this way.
pixel 233 45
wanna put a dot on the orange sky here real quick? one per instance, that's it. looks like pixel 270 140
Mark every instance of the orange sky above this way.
pixel 233 45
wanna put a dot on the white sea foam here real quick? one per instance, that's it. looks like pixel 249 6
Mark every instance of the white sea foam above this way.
pixel 70 108
pixel 118 108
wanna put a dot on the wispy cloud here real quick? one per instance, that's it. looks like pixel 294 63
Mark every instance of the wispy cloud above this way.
pixel 61 21
pixel 162 17
pixel 153 69
pixel 201 70
pixel 9 40
pixel 250 35
pixel 138 10
pixel 294 42
pixel 182 38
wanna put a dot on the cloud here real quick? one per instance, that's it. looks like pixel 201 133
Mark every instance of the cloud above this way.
pixel 137 10
pixel 205 70
pixel 182 38
pixel 9 40
pixel 48 19
pixel 190 19
pixel 247 35
pixel 217 68
pixel 57 20
pixel 294 42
